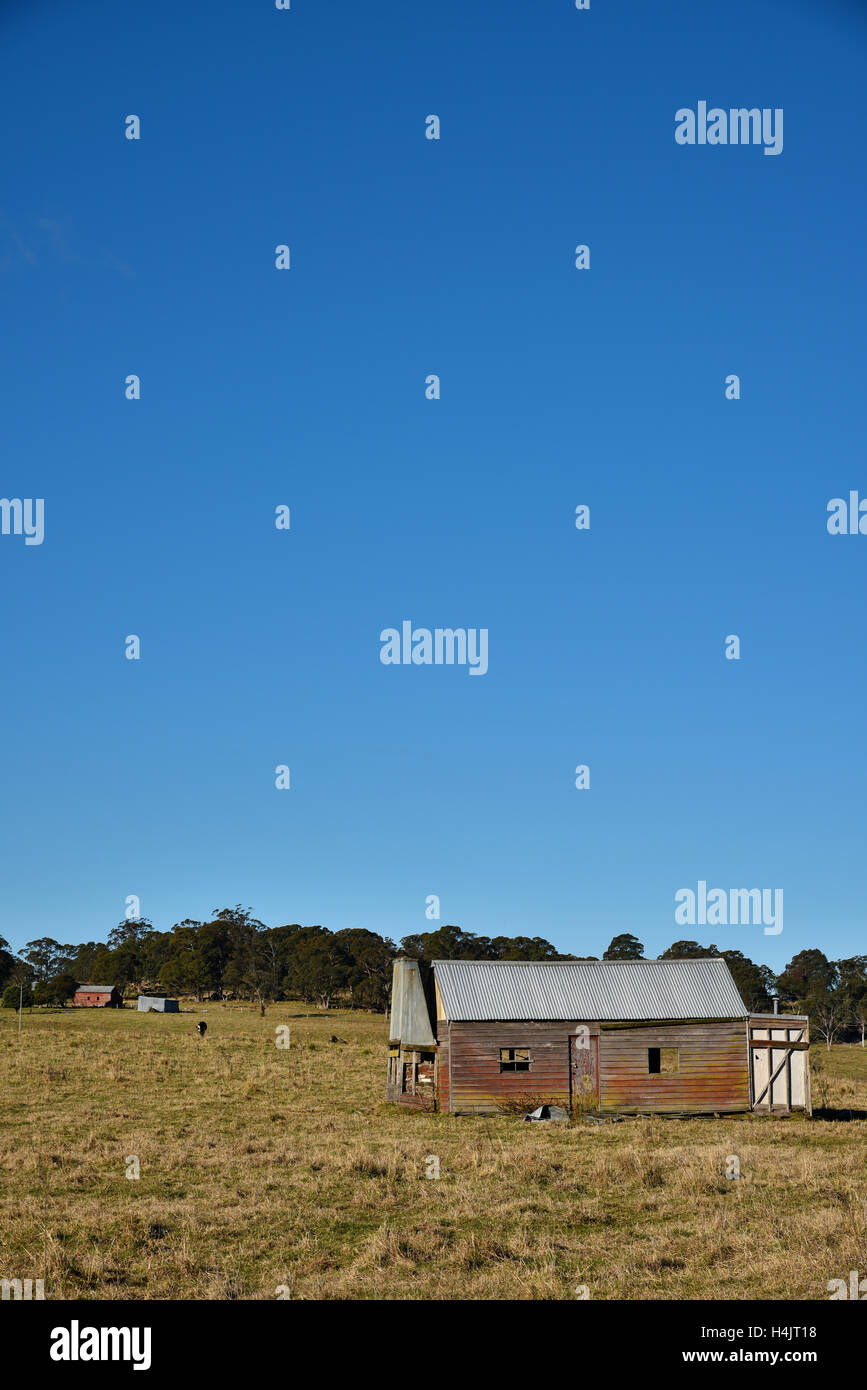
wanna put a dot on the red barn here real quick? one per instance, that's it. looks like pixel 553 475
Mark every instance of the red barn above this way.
pixel 98 997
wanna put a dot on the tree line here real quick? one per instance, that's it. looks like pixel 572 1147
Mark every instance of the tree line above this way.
pixel 235 955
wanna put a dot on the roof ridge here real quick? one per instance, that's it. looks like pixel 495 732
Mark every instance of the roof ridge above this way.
pixel 650 960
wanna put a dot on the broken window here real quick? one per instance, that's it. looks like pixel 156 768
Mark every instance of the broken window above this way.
pixel 663 1061
pixel 514 1059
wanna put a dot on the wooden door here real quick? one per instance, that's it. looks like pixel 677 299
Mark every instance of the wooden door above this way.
pixel 584 1069
pixel 779 1067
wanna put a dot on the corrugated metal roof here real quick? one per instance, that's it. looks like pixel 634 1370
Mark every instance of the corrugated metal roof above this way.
pixel 588 990
pixel 97 989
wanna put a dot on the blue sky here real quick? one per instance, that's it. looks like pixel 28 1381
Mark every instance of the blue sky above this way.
pixel 306 387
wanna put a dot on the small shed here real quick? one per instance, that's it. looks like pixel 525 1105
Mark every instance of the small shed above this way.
pixel 627 1036
pixel 780 1063
pixel 98 997
pixel 156 1004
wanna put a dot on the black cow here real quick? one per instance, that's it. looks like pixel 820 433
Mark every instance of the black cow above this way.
pixel 201 1029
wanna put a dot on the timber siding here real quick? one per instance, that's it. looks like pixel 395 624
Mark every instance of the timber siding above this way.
pixel 713 1072
pixel 476 1080
pixel 443 1065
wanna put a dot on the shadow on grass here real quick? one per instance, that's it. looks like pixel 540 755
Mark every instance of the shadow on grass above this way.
pixel 824 1113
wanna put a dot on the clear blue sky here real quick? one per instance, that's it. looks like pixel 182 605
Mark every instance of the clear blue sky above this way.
pixel 559 387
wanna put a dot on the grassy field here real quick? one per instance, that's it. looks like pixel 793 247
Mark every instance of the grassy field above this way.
pixel 263 1168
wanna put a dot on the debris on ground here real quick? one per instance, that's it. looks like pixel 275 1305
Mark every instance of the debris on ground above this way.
pixel 547 1112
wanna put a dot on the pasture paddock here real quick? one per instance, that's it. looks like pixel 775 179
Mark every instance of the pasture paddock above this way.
pixel 264 1166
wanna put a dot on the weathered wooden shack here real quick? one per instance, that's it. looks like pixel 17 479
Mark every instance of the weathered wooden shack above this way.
pixel 623 1036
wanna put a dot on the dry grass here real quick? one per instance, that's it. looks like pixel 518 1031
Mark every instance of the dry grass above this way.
pixel 262 1167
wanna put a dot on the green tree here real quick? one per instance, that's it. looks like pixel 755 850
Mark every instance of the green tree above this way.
pixel 370 961
pixel 624 947
pixel 57 991
pixel 130 931
pixel 214 940
pixel 46 957
pixel 154 951
pixel 688 950
pixel 127 944
pixel 754 982
pixel 12 994
pixel 524 948
pixel 448 943
pixel 184 969
pixel 851 989
pixel 319 968
pixel 82 960
pixel 809 976
pixel 7 961
pixel 105 969
pixel 247 970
